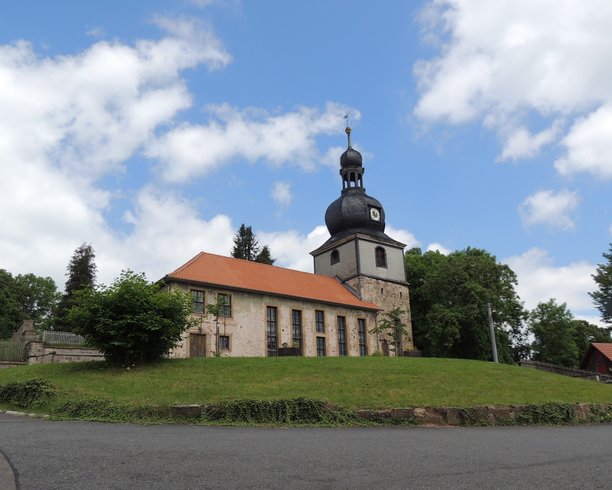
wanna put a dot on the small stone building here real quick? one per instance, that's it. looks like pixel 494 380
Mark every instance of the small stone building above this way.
pixel 268 311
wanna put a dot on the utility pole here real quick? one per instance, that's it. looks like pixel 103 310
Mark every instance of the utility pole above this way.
pixel 492 333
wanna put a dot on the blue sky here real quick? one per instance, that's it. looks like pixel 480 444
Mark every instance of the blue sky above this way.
pixel 152 130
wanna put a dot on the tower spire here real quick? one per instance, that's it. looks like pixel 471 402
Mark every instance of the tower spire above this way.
pixel 348 129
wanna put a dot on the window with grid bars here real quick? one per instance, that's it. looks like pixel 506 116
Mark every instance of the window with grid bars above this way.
pixel 363 347
pixel 197 301
pixel 272 341
pixel 224 342
pixel 226 301
pixel 342 336
pixel 320 321
pixel 296 325
pixel 321 346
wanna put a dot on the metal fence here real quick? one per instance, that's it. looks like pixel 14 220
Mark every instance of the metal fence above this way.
pixel 12 351
pixel 55 337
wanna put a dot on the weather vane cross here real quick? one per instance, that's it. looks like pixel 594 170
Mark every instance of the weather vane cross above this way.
pixel 346 116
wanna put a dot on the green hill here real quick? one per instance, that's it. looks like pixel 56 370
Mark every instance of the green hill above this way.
pixel 369 382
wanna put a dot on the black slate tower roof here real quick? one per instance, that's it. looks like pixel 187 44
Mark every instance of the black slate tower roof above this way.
pixel 353 211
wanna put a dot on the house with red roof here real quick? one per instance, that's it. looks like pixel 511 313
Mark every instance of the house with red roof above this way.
pixel 598 358
pixel 268 311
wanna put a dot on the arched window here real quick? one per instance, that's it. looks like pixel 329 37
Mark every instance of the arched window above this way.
pixel 334 258
pixel 381 257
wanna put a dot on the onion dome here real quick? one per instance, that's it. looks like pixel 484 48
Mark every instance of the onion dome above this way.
pixel 351 157
pixel 354 211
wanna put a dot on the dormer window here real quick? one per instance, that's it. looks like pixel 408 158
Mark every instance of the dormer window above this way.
pixel 334 258
pixel 381 257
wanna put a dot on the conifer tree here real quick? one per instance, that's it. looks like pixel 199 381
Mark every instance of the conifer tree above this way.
pixel 245 244
pixel 265 256
pixel 246 247
pixel 603 296
pixel 81 272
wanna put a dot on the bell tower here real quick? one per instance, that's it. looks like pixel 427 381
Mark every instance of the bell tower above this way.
pixel 359 253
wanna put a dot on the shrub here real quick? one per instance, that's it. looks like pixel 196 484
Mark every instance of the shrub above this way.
pixel 111 411
pixel 131 321
pixel 27 393
pixel 294 410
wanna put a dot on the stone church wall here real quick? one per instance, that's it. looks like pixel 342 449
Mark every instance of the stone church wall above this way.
pixel 387 295
pixel 247 326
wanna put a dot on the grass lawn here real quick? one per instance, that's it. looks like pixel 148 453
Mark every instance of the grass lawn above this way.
pixel 367 382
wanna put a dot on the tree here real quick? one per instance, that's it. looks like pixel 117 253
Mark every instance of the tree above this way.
pixel 559 338
pixel 449 296
pixel 81 272
pixel 132 321
pixel 246 247
pixel 38 298
pixel 393 326
pixel 11 314
pixel 217 310
pixel 603 296
pixel 265 257
pixel 25 297
pixel 551 326
pixel 584 333
pixel 245 244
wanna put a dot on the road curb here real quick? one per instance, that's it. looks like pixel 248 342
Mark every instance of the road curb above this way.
pixel 25 414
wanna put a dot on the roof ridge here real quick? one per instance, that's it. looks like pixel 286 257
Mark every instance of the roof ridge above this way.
pixel 193 259
pixel 256 264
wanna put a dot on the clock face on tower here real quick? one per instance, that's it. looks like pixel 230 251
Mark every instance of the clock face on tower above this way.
pixel 374 214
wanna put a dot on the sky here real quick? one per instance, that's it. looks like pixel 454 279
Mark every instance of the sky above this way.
pixel 153 130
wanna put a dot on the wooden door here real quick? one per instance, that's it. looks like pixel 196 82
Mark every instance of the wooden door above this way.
pixel 197 345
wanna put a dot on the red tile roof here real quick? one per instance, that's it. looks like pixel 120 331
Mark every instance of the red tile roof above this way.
pixel 227 272
pixel 604 348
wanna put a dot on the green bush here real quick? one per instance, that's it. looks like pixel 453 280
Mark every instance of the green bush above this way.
pixel 548 414
pixel 27 393
pixel 110 411
pixel 295 410
pixel 132 321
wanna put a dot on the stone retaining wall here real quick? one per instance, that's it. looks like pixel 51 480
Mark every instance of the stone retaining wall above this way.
pixel 484 415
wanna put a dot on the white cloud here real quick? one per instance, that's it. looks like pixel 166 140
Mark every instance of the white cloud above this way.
pixel 550 208
pixel 403 236
pixel 168 231
pixel 501 62
pixel 331 158
pixel 251 134
pixel 67 121
pixel 539 280
pixel 589 145
pixel 281 193
pixel 521 143
pixel 437 247
pixel 292 249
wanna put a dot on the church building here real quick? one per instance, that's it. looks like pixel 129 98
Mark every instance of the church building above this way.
pixel 270 311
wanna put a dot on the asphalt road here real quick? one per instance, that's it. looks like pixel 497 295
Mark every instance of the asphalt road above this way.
pixel 82 455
